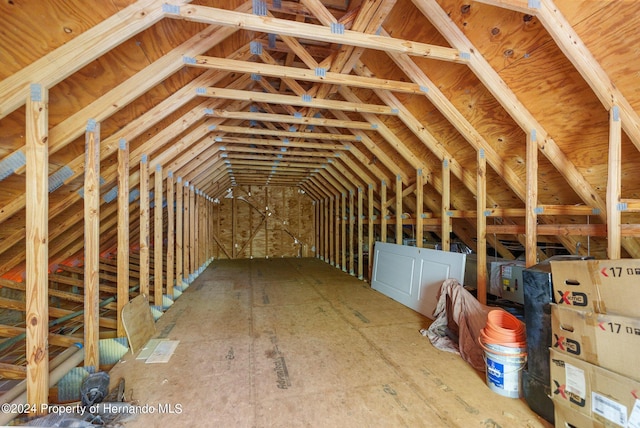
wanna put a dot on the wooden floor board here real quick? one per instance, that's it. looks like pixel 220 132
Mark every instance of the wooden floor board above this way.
pixel 295 342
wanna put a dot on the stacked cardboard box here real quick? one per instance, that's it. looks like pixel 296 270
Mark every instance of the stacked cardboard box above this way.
pixel 595 354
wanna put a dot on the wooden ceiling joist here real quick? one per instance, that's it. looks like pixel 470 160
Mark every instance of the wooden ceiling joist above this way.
pixel 286 143
pixel 334 34
pixel 261 157
pixel 283 152
pixel 285 119
pixel 277 164
pixel 286 134
pixel 308 75
pixel 303 101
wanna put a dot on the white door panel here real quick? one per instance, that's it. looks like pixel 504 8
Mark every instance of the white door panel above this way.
pixel 413 276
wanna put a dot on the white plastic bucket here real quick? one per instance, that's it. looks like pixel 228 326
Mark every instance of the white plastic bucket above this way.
pixel 504 369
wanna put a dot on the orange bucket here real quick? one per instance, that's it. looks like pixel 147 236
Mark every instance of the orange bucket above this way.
pixel 504 342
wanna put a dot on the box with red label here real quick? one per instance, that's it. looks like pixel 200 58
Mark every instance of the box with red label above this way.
pixel 608 341
pixel 603 286
pixel 598 393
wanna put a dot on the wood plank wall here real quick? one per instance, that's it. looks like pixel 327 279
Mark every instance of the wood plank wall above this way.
pixel 259 221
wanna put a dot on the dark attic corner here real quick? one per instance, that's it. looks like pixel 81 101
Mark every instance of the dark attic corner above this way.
pixel 319 213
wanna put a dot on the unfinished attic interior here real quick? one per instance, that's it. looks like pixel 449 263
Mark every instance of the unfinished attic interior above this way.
pixel 240 167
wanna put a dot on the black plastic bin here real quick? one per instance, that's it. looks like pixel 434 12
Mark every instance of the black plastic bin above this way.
pixel 536 378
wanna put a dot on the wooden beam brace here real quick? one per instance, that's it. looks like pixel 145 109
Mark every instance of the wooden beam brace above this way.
pixel 179 230
pixel 123 233
pixel 283 118
pixel 614 184
pixel 531 251
pixel 12 371
pixel 171 234
pixel 554 229
pixel 37 245
pixel 92 246
pixel 343 230
pixel 304 101
pixel 144 226
pixel 54 312
pixel 307 75
pixel 286 134
pixel 54 339
pixel 230 143
pixel 331 219
pixel 158 226
pixel 521 6
pixel 360 233
pixel 370 239
pixel 481 227
pixel 192 231
pixel 352 218
pixel 235 149
pixel 419 208
pixel 383 211
pixel 542 210
pixel 64 295
pixel 398 209
pixel 446 205
pixel 334 34
pixel 271 158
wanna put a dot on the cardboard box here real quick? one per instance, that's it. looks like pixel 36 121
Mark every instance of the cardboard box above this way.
pixel 566 417
pixel 608 341
pixel 597 393
pixel 603 286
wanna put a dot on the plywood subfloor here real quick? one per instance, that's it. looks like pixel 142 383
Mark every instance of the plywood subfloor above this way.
pixel 296 342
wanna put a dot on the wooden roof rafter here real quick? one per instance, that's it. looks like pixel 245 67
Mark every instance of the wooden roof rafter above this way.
pixel 368 18
pixel 578 53
pixel 527 122
pixel 298 49
pixel 110 173
pixel 70 57
pixel 130 131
